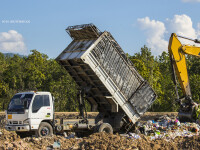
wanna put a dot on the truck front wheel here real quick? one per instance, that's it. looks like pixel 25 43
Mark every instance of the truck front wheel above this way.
pixel 106 127
pixel 45 129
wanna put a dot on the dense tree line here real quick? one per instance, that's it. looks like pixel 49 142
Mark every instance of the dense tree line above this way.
pixel 38 72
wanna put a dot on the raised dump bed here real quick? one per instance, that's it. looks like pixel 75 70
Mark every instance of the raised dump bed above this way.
pixel 98 64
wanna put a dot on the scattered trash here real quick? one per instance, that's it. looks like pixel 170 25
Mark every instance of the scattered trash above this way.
pixel 125 135
pixel 134 136
pixel 167 128
pixel 177 122
pixel 70 136
pixel 65 134
pixel 56 144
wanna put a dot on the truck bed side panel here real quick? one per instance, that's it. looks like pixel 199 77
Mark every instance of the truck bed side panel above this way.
pixel 101 64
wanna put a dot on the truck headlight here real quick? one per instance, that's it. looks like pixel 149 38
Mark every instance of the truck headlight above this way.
pixel 26 121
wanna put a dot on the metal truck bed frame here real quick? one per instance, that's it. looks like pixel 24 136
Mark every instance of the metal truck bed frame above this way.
pixel 97 63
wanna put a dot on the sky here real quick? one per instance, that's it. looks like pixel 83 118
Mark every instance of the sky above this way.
pixel 40 24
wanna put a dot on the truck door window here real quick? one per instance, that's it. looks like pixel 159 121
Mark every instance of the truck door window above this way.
pixel 46 100
pixel 40 101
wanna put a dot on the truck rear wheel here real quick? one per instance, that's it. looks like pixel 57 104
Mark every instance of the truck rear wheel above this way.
pixel 105 127
pixel 45 129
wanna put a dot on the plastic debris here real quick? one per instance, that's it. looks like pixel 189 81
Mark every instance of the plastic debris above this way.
pixel 167 128
pixel 70 136
pixel 56 144
pixel 65 134
pixel 134 136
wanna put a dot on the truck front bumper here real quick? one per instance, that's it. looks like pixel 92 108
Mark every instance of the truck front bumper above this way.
pixel 17 127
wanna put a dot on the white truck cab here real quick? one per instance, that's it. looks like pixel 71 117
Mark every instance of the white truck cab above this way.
pixel 30 111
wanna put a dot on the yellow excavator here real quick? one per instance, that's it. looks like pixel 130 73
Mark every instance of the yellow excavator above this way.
pixel 189 110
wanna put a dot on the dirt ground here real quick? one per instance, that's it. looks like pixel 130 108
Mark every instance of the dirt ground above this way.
pixel 98 141
pixel 10 140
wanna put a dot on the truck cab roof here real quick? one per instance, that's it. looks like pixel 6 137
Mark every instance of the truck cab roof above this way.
pixel 35 92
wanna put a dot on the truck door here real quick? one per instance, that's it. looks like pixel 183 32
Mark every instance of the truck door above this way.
pixel 41 108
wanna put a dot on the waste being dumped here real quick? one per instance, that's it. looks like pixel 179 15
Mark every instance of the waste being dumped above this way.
pixel 165 128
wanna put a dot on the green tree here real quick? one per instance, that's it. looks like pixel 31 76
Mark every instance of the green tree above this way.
pixel 193 65
pixel 167 85
pixel 13 75
pixel 34 69
pixel 148 68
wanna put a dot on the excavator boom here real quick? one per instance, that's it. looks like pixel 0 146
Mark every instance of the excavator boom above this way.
pixel 177 53
pixel 178 61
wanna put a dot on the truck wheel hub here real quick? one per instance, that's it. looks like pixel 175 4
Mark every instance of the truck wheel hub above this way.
pixel 44 131
pixel 106 130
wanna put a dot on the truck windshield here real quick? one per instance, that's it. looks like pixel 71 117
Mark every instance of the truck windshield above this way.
pixel 17 102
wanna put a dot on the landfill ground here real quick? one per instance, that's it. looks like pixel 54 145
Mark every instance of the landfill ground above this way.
pixel 10 140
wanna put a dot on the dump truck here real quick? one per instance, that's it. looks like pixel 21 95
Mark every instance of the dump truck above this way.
pixel 106 78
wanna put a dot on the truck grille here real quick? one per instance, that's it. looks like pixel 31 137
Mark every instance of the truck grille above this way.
pixel 15 122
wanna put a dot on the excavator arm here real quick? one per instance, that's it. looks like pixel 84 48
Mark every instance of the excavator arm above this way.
pixel 177 53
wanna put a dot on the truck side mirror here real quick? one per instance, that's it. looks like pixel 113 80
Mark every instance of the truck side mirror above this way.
pixel 25 104
pixel 53 98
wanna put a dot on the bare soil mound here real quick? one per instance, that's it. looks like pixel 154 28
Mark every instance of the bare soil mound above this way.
pixel 102 141
pixel 10 140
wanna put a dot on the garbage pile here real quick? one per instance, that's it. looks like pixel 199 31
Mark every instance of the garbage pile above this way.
pixel 165 128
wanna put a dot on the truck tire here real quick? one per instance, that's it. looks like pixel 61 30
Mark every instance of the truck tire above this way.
pixel 106 127
pixel 45 129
